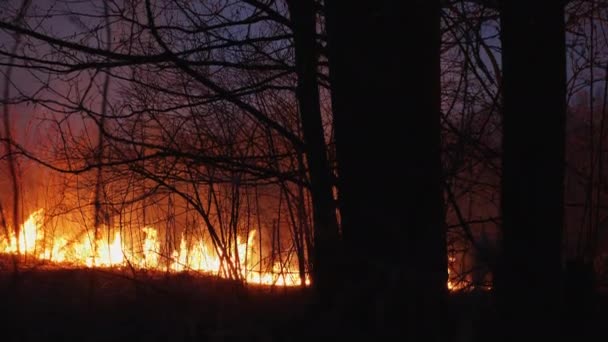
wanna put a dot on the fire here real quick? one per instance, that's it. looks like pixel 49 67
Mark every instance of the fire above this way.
pixel 455 282
pixel 29 235
pixel 112 251
pixel 197 255
pixel 151 248
pixel 452 284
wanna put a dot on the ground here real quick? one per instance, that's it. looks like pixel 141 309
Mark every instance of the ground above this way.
pixel 53 304
pixel 116 305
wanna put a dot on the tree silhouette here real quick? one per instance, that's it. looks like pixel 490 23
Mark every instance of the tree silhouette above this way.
pixel 304 19
pixel 528 281
pixel 336 130
pixel 384 68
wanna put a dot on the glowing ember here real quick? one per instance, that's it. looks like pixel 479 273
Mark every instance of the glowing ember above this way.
pixel 112 251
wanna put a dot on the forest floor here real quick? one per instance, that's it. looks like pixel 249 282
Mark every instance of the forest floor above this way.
pixel 46 303
pixel 81 304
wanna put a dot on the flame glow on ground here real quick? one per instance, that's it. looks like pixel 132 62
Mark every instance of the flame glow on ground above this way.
pixel 198 256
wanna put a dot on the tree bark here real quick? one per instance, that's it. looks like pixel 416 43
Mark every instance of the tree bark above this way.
pixel 385 74
pixel 528 282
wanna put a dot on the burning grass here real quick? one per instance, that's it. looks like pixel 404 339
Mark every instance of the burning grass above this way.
pixel 240 261
pixel 116 250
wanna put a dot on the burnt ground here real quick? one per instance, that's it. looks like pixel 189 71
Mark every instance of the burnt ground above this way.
pixel 52 304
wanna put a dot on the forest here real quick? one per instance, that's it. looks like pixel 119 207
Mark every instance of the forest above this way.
pixel 284 170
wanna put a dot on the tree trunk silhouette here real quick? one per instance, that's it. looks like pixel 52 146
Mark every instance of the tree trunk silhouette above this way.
pixel 384 69
pixel 528 282
pixel 324 212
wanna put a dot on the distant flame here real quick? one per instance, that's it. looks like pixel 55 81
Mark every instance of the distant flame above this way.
pixel 105 252
pixel 458 282
pixel 453 284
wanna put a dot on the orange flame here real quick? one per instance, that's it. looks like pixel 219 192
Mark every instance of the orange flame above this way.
pixel 196 256
pixel 199 256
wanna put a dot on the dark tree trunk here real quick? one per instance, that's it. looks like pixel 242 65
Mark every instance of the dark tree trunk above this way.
pixel 326 238
pixel 528 281
pixel 384 67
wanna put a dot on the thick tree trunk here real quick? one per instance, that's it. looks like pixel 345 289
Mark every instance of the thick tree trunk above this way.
pixel 528 282
pixel 326 238
pixel 384 67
